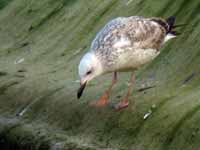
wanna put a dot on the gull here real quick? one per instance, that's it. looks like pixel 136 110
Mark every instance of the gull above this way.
pixel 124 44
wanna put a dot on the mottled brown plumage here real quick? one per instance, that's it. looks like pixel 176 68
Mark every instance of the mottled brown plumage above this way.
pixel 142 32
pixel 135 33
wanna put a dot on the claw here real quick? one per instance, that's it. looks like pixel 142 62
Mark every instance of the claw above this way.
pixel 121 105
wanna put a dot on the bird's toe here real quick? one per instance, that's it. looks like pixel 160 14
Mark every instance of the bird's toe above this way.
pixel 121 105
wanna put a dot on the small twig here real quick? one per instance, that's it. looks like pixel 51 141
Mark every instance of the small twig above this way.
pixel 146 88
pixel 190 77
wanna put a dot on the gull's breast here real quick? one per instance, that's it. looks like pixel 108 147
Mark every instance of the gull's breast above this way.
pixel 131 59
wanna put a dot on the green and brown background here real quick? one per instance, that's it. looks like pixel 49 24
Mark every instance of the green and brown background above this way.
pixel 41 43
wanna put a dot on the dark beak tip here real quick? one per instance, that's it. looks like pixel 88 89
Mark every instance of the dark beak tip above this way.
pixel 78 96
pixel 80 90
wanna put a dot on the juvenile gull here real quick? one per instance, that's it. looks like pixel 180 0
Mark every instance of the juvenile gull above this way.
pixel 124 44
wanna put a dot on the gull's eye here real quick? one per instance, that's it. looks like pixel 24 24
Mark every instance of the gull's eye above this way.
pixel 89 72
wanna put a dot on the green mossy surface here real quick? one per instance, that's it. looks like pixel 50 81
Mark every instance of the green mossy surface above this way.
pixel 41 42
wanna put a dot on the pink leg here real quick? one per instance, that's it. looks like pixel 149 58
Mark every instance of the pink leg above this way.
pixel 125 102
pixel 103 100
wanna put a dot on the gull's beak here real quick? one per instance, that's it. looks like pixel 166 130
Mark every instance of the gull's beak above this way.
pixel 81 89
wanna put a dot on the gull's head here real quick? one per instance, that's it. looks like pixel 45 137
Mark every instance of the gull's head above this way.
pixel 89 68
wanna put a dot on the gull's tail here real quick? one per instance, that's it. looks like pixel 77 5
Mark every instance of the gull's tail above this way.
pixel 171 23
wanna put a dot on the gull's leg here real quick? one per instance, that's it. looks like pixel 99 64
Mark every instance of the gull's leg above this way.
pixel 124 103
pixel 103 100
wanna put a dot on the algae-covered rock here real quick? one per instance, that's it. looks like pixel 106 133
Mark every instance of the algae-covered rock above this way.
pixel 41 42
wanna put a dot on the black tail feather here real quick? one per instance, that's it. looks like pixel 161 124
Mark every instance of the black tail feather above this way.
pixel 178 25
pixel 171 21
pixel 175 33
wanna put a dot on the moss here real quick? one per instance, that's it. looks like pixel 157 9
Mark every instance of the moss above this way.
pixel 4 3
pixel 69 2
pixel 51 36
pixel 46 17
pixel 176 128
pixel 5 87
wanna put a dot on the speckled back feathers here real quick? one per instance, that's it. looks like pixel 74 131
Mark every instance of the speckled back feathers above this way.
pixel 127 34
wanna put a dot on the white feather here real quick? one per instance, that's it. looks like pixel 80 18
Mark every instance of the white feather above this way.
pixel 135 59
pixel 89 62
pixel 122 43
pixel 168 37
